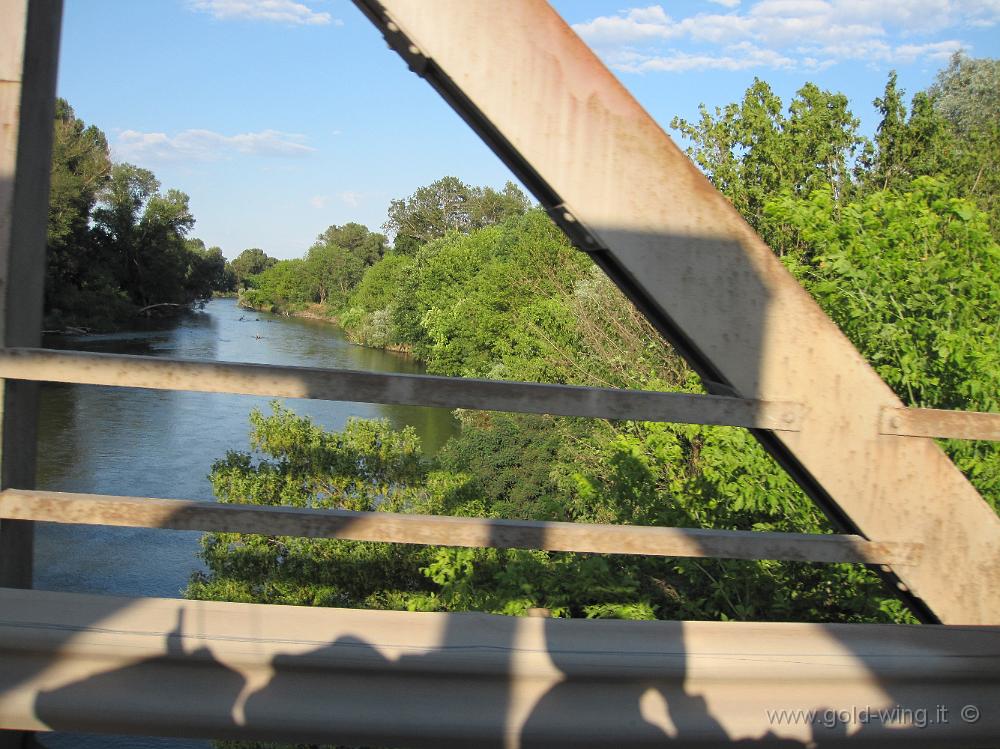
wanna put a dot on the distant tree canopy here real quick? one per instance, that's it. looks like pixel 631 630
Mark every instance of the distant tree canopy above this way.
pixel 116 243
pixel 450 205
pixel 250 262
pixel 210 271
pixel 342 256
pixel 331 267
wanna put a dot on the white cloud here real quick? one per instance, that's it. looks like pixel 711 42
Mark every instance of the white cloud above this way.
pixel 908 53
pixel 635 25
pixel 206 145
pixel 810 34
pixel 347 197
pixel 737 57
pixel 877 50
pixel 275 11
pixel 912 17
pixel 350 198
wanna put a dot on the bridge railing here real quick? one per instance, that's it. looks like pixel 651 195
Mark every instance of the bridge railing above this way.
pixel 421 390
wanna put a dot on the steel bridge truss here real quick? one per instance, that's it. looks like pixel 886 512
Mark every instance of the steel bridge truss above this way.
pixel 774 363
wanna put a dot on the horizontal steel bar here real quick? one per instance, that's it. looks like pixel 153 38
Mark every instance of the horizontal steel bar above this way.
pixel 932 422
pixel 142 512
pixel 400 389
pixel 297 674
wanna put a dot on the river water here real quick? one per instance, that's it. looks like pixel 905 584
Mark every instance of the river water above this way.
pixel 163 443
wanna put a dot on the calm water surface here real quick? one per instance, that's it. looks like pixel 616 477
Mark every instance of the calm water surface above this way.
pixel 162 444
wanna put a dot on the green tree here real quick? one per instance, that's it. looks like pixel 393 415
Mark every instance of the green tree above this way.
pixel 752 151
pixel 208 270
pixel 338 258
pixel 250 262
pixel 449 204
pixel 115 242
pixel 80 286
pixel 371 308
pixel 142 233
pixel 634 478
pixel 967 95
pixel 81 165
pixel 285 286
pixel 905 148
pixel 367 246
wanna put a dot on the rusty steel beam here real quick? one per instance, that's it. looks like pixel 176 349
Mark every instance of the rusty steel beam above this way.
pixel 160 373
pixel 29 47
pixel 624 192
pixel 932 422
pixel 323 676
pixel 176 514
pixel 29 44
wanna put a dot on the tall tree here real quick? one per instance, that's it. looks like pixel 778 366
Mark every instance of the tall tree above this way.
pixel 449 204
pixel 333 271
pixel 967 95
pixel 81 165
pixel 250 262
pixel 752 151
pixel 338 258
pixel 367 245
pixel 208 270
pixel 144 231
pixel 905 148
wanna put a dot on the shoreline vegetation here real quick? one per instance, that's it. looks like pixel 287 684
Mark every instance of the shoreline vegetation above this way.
pixel 322 313
pixel 895 237
pixel 118 247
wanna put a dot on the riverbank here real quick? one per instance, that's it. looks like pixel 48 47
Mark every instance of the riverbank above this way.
pixel 322 313
pixel 309 312
pixel 119 320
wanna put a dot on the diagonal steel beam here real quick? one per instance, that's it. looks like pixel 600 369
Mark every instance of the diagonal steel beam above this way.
pixel 624 193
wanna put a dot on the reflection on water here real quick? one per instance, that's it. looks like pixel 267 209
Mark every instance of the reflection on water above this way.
pixel 162 444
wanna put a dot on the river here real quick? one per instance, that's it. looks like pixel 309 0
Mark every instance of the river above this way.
pixel 163 443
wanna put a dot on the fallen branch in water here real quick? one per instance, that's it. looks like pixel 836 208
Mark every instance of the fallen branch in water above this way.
pixel 146 309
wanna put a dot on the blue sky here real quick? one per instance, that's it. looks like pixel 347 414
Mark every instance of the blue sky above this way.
pixel 281 117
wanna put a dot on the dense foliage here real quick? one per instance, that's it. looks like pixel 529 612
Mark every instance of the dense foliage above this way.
pixel 249 263
pixel 343 255
pixel 116 243
pixel 449 205
pixel 896 238
pixel 331 267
